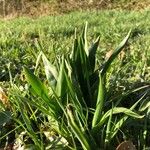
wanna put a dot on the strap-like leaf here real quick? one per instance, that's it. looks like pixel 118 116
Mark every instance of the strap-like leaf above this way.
pixel 124 118
pixel 61 82
pixel 38 87
pixel 50 71
pixel 100 102
pixel 116 110
pixel 85 40
pixel 92 54
pixel 114 54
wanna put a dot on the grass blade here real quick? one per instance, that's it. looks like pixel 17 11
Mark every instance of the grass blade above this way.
pixel 124 118
pixel 5 117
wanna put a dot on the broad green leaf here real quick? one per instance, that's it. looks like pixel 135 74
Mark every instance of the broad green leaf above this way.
pixel 108 129
pixel 36 84
pixel 76 98
pixel 84 74
pixel 50 71
pixel 61 86
pixel 116 110
pixel 100 102
pixel 92 54
pixel 38 87
pixel 80 67
pixel 108 62
pixel 94 81
pixel 84 38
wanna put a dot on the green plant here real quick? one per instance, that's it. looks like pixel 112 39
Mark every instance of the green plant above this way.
pixel 75 101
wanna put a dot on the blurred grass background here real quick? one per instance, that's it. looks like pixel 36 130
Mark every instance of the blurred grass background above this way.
pixel 19 36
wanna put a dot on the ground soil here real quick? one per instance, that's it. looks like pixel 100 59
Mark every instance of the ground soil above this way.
pixel 35 8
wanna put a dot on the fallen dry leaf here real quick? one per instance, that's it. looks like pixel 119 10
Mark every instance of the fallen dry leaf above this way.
pixel 108 54
pixel 126 145
pixel 4 98
pixel 120 56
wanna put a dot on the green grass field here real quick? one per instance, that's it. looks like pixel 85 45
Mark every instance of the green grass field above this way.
pixel 22 40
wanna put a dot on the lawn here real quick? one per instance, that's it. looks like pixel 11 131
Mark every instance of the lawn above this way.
pixel 22 40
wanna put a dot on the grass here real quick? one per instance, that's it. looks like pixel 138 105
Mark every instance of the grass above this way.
pixel 19 36
pixel 23 39
pixel 54 7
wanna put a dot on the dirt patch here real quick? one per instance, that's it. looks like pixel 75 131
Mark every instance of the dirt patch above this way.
pixel 35 8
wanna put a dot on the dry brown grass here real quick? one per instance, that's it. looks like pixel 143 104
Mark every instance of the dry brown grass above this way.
pixel 34 8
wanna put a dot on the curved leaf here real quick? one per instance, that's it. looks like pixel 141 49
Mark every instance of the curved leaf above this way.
pixel 38 87
pixel 115 53
pixel 116 110
pixel 100 102
pixel 50 71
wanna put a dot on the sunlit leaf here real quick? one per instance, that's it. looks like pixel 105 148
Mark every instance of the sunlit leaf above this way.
pixel 50 71
pixel 100 102
pixel 115 53
pixel 38 87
